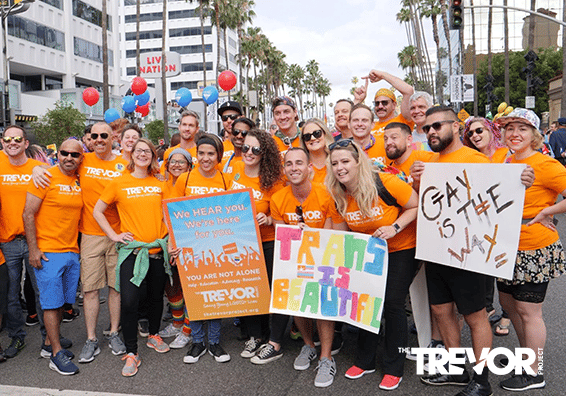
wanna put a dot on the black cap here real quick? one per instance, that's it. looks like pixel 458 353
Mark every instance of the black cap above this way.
pixel 229 105
pixel 562 121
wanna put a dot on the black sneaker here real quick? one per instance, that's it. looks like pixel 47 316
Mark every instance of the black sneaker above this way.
pixel 523 382
pixel 442 379
pixel 195 352
pixel 32 320
pixel 219 354
pixel 143 327
pixel 15 347
pixel 2 357
pixel 476 389
pixel 337 343
pixel 266 354
pixel 62 364
pixel 70 315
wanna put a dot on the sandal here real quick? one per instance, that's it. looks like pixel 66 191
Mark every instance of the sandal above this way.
pixel 502 328
pixel 493 317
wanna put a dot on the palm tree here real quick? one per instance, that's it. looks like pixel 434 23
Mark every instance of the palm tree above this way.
pixel 295 78
pixel 506 50
pixel 474 61
pixel 105 86
pixel 431 9
pixel 138 59
pixel 311 77
pixel 444 13
pixel 408 60
pixel 245 15
pixel 201 18
pixel 163 74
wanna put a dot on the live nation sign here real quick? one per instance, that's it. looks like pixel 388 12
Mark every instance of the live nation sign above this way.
pixel 151 62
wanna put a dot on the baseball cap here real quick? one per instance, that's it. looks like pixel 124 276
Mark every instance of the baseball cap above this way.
pixel 525 116
pixel 230 105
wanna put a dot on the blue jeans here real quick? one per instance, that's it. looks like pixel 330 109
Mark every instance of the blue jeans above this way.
pixel 197 330
pixel 16 253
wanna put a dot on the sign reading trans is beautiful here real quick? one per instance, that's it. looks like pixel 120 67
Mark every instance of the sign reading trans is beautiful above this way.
pixel 327 274
pixel 470 216
pixel 221 265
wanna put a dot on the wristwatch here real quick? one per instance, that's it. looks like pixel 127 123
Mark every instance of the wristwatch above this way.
pixel 396 226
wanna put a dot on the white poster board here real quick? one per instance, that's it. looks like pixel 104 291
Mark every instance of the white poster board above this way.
pixel 470 216
pixel 329 274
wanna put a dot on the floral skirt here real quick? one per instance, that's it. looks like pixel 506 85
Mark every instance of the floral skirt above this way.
pixel 538 266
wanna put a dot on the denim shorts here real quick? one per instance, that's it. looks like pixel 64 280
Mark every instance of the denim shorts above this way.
pixel 57 281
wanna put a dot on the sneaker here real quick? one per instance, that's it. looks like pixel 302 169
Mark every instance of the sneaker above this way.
pixel 446 379
pixel 355 372
pixel 251 348
pixel 181 341
pixel 2 357
pixel 306 356
pixel 266 354
pixel 70 315
pixel 523 382
pixel 390 382
pixel 32 320
pixel 62 364
pixel 431 344
pixel 108 330
pixel 132 363
pixel 89 351
pixel 337 343
pixel 170 331
pixel 326 370
pixel 65 342
pixel 143 327
pixel 219 354
pixel 476 389
pixel 116 344
pixel 16 345
pixel 47 351
pixel 195 352
pixel 156 342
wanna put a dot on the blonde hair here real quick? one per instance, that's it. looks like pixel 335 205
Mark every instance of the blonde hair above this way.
pixel 536 142
pixel 328 139
pixel 153 168
pixel 365 193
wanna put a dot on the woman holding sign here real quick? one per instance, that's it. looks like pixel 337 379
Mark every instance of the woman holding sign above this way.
pixel 315 137
pixel 260 170
pixel 540 257
pixel 384 206
pixel 205 179
pixel 143 261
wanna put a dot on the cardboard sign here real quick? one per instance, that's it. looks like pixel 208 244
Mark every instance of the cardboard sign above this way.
pixel 221 265
pixel 470 216
pixel 328 274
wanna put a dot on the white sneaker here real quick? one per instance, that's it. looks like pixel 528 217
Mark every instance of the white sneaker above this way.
pixel 170 331
pixel 181 341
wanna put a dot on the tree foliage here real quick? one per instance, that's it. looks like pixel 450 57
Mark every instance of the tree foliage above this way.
pixel 58 124
pixel 154 130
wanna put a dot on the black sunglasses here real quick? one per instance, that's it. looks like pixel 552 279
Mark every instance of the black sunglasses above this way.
pixel 316 134
pixel 436 125
pixel 236 132
pixel 17 139
pixel 102 135
pixel 471 132
pixel 74 154
pixel 299 212
pixel 229 117
pixel 342 143
pixel 384 103
pixel 255 149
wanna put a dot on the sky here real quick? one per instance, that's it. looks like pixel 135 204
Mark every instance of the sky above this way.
pixel 346 37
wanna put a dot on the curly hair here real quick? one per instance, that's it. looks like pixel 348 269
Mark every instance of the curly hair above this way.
pixel 270 168
pixel 495 140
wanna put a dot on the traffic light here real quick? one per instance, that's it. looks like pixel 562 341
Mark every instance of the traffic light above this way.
pixel 456 14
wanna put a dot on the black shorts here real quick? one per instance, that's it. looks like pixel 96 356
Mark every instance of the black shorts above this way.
pixel 448 284
pixel 526 292
pixel 3 288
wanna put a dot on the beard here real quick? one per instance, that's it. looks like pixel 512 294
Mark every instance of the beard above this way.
pixel 442 143
pixel 393 155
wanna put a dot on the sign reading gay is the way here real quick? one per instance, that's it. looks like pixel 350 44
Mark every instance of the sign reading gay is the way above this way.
pixel 328 274
pixel 221 265
pixel 470 216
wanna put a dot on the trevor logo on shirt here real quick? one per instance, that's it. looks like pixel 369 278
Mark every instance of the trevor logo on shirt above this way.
pixel 237 186
pixel 203 190
pixel 376 213
pixel 16 179
pixel 66 189
pixel 99 173
pixel 307 215
pixel 144 191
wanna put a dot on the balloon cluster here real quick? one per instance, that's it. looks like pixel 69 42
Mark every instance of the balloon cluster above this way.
pixel 503 110
pixel 138 102
pixel 226 81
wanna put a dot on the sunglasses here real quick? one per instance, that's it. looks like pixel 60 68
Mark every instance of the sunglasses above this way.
pixel 316 134
pixel 383 103
pixel 17 139
pixel 229 117
pixel 74 154
pixel 255 149
pixel 342 143
pixel 471 132
pixel 299 212
pixel 102 135
pixel 436 125
pixel 236 132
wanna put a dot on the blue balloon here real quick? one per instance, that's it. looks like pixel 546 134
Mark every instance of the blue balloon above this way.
pixel 142 99
pixel 111 115
pixel 210 95
pixel 183 97
pixel 128 104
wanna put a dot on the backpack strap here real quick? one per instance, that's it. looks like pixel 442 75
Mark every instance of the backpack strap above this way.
pixel 384 194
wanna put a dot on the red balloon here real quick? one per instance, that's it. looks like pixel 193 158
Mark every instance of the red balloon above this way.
pixel 90 96
pixel 227 80
pixel 143 110
pixel 139 85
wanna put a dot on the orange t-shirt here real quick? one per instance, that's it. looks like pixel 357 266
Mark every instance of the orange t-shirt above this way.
pixel 228 149
pixel 94 176
pixel 316 208
pixel 383 215
pixel 550 181
pixel 57 220
pixel 405 167
pixel 2 259
pixel 379 126
pixel 239 180
pixel 376 152
pixel 14 182
pixel 194 183
pixel 464 155
pixel 228 164
pixel 284 147
pixel 139 206
pixel 192 151
pixel 500 155
pixel 319 174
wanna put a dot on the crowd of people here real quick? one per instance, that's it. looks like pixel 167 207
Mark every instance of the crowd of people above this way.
pixel 94 219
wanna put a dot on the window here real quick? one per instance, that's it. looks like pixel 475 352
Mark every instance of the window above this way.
pixel 182 14
pixel 148 17
pixel 90 14
pixel 191 67
pixel 54 3
pixel 35 32
pixel 130 71
pixel 148 35
pixel 232 42
pixel 187 84
pixel 191 49
pixel 194 31
pixel 53 83
pixel 88 50
pixel 132 53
